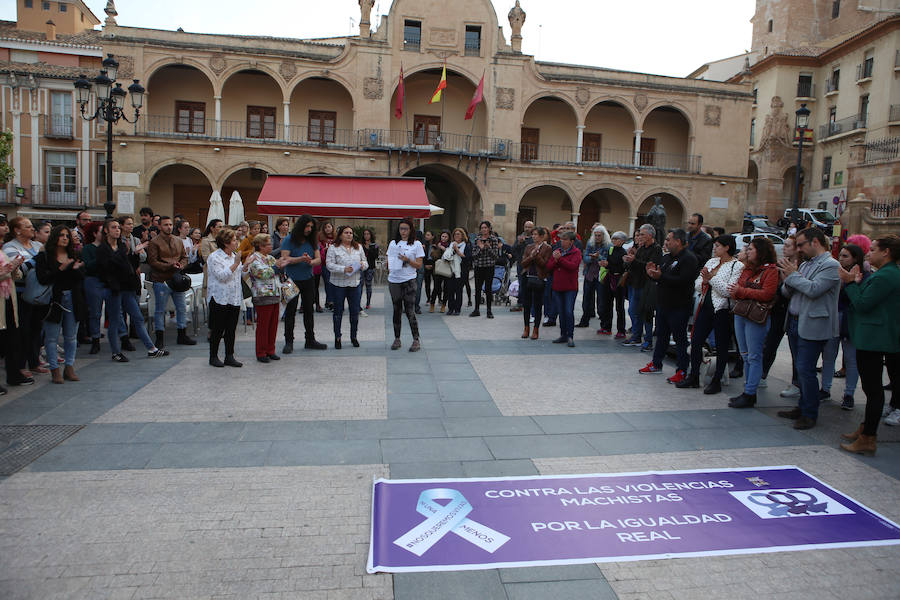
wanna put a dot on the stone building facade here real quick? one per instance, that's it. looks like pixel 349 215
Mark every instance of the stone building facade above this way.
pixel 550 142
pixel 840 59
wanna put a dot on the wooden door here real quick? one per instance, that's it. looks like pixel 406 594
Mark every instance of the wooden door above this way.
pixel 591 148
pixel 590 214
pixel 531 139
pixel 426 129
pixel 648 152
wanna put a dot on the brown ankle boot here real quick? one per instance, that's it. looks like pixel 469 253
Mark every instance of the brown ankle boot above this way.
pixel 864 444
pixel 534 332
pixel 851 437
pixel 431 307
pixel 69 374
pixel 526 333
pixel 56 375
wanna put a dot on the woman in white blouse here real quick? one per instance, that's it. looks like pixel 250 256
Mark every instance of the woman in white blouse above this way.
pixel 223 294
pixel 714 312
pixel 345 261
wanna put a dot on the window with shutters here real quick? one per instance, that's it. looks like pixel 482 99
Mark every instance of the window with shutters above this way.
pixel 322 126
pixel 648 151
pixel 190 117
pixel 531 139
pixel 412 35
pixel 101 169
pixel 473 40
pixel 61 178
pixel 826 172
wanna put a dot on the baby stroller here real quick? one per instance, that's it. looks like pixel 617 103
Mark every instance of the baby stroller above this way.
pixel 500 283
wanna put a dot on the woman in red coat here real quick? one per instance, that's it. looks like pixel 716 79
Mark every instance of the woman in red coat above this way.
pixel 563 264
pixel 758 281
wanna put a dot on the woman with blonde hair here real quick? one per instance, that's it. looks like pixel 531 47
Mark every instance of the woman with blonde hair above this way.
pixel 455 253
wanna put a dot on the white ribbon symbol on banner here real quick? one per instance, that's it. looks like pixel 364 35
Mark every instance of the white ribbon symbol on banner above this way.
pixel 443 519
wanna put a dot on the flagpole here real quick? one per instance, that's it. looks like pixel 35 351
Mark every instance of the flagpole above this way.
pixel 443 102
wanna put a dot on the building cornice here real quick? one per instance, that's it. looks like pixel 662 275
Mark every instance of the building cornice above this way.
pixel 54 47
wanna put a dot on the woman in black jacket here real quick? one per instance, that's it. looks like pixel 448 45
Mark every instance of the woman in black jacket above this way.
pixel 118 271
pixel 58 266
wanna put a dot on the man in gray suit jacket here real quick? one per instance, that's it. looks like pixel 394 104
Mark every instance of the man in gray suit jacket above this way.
pixel 812 289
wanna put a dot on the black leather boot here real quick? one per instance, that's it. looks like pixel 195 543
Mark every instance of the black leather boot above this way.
pixel 184 339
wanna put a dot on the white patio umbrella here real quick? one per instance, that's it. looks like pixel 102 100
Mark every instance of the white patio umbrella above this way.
pixel 435 210
pixel 216 209
pixel 235 209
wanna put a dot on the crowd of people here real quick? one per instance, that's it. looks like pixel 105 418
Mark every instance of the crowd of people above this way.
pixel 690 292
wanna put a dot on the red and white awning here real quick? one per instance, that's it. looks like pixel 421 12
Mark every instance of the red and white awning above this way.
pixel 342 196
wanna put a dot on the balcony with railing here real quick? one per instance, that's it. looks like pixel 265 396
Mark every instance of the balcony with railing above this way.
pixel 864 71
pixel 842 126
pixel 447 143
pixel 806 89
pixel 239 131
pixel 53 196
pixel 831 87
pixel 894 114
pixel 58 127
pixel 882 150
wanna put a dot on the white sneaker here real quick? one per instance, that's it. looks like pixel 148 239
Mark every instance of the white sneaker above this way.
pixel 893 418
pixel 532 320
pixel 763 383
pixel 888 409
pixel 363 313
pixel 790 392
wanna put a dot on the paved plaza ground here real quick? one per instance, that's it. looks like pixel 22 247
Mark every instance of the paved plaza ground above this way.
pixel 185 481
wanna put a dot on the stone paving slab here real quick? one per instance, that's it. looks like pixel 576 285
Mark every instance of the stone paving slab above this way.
pixel 814 574
pixel 343 388
pixel 533 385
pixel 230 533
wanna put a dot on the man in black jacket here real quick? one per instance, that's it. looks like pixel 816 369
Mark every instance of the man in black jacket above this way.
pixel 675 297
pixel 699 242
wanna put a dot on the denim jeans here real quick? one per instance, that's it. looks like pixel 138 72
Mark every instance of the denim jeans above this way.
pixel 69 327
pixel 637 323
pixel 161 293
pixel 672 321
pixel 119 305
pixel 851 366
pixel 420 280
pixel 329 289
pixel 565 301
pixel 551 309
pixel 807 356
pixel 94 294
pixel 351 295
pixel 829 358
pixel 751 337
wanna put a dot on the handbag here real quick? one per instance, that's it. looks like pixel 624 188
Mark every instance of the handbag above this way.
pixel 753 310
pixel 179 282
pixel 533 282
pixel 289 290
pixel 442 267
pixel 36 292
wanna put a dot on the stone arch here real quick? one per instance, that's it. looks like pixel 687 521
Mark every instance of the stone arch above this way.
pixel 673 105
pixel 545 203
pixel 454 191
pixel 555 95
pixel 318 170
pixel 609 204
pixel 336 77
pixel 426 66
pixel 247 66
pixel 620 101
pixel 315 92
pixel 239 167
pixel 170 62
pixel 548 182
pixel 244 179
pixel 179 186
pixel 443 125
pixel 674 218
pixel 152 171
pixel 172 82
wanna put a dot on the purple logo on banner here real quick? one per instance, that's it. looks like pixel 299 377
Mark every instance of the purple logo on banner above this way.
pixel 527 521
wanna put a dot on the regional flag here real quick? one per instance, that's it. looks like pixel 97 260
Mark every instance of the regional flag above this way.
pixel 440 88
pixel 476 99
pixel 401 92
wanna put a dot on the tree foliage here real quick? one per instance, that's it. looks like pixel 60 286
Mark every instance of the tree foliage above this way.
pixel 6 170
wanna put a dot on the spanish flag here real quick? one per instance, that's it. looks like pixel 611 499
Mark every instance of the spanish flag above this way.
pixel 440 88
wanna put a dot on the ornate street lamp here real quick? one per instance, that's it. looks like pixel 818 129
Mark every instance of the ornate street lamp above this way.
pixel 802 123
pixel 110 107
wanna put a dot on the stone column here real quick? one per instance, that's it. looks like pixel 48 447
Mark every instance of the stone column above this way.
pixel 631 222
pixel 17 139
pixel 580 149
pixel 287 121
pixel 575 216
pixel 637 149
pixel 853 216
pixel 218 100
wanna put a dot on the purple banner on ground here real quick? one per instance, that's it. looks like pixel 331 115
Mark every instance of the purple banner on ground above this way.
pixel 458 524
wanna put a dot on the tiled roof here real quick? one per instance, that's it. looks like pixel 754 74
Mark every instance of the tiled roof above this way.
pixel 85 38
pixel 42 69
